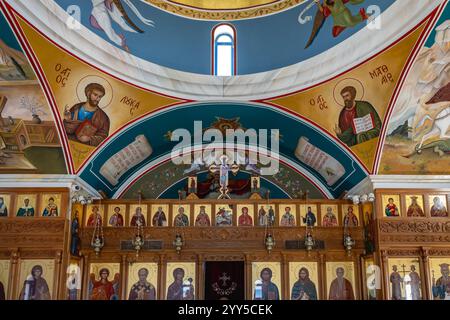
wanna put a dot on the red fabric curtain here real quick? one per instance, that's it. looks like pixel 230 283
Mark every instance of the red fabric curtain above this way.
pixel 225 280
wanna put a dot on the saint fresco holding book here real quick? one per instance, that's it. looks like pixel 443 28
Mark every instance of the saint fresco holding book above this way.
pixel 358 121
pixel 86 122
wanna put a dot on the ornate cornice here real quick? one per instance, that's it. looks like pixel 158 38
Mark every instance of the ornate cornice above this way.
pixel 32 233
pixel 26 227
pixel 194 12
pixel 414 227
pixel 417 239
pixel 402 252
pixel 439 252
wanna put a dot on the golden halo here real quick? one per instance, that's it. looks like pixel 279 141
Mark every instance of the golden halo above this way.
pixel 106 100
pixel 345 83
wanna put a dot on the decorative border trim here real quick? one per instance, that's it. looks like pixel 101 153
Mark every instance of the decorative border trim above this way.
pixel 250 12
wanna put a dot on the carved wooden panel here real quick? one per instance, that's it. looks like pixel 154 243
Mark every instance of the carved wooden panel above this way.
pixel 201 239
pixel 28 225
pixel 224 257
pixel 442 252
pixel 414 239
pixel 32 233
pixel 413 231
pixel 39 253
pixel 342 255
pixel 4 255
pixel 414 226
pixel 265 256
pixel 403 252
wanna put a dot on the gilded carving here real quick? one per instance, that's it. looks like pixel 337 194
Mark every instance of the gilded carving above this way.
pixel 31 226
pixel 414 226
pixel 414 238
pixel 224 14
pixel 439 252
pixel 224 257
pixel 403 252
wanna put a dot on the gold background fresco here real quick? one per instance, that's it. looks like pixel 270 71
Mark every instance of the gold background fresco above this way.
pixel 294 268
pixel 349 274
pixel 189 272
pixel 48 272
pixel 305 102
pixel 276 274
pixel 133 275
pixel 82 74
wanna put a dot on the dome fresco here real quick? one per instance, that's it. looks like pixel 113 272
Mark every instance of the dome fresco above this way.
pixel 275 41
pixel 148 89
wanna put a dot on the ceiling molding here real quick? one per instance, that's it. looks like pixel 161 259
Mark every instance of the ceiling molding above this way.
pixel 50 19
pixel 224 10
pixel 410 182
pixel 45 181
pixel 422 182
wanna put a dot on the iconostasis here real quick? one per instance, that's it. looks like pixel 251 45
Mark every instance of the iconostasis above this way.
pixel 239 213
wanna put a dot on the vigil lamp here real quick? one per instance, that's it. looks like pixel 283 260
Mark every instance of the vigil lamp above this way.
pixel 138 243
pixel 97 244
pixel 178 243
pixel 269 242
pixel 309 242
pixel 349 243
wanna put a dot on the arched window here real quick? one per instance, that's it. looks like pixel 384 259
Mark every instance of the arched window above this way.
pixel 224 50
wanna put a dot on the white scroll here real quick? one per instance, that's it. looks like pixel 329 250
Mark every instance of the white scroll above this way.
pixel 125 159
pixel 327 166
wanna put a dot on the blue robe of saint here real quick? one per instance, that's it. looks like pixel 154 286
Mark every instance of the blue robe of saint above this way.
pixel 25 212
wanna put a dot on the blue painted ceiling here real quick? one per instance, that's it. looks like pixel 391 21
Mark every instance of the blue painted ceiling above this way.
pixel 273 42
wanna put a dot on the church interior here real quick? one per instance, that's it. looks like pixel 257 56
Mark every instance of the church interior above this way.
pixel 224 150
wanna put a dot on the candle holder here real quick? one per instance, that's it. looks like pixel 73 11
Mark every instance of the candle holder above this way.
pixel 309 242
pixel 97 244
pixel 178 243
pixel 138 243
pixel 349 243
pixel 269 242
pixel 98 239
pixel 138 240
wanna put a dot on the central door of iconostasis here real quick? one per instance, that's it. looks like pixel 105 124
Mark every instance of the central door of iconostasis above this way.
pixel 225 280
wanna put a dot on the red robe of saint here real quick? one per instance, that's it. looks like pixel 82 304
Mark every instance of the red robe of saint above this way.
pixel 245 220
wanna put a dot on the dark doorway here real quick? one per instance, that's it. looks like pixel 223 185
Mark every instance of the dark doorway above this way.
pixel 224 280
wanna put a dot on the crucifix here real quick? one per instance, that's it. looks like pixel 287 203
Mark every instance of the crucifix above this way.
pixel 224 279
pixel 223 170
pixel 403 269
pixel 404 273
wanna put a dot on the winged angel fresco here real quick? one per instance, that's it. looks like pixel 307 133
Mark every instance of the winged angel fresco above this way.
pixel 105 10
pixel 104 289
pixel 337 9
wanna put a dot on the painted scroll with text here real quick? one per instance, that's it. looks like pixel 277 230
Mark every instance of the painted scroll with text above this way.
pixel 328 167
pixel 125 159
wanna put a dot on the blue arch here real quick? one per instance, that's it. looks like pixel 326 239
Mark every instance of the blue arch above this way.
pixel 155 128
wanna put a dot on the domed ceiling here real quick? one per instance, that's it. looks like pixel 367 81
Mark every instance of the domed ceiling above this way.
pixel 160 82
pixel 262 44
pixel 225 9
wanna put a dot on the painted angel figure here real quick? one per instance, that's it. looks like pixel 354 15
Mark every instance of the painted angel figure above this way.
pixel 103 289
pixel 105 10
pixel 341 14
